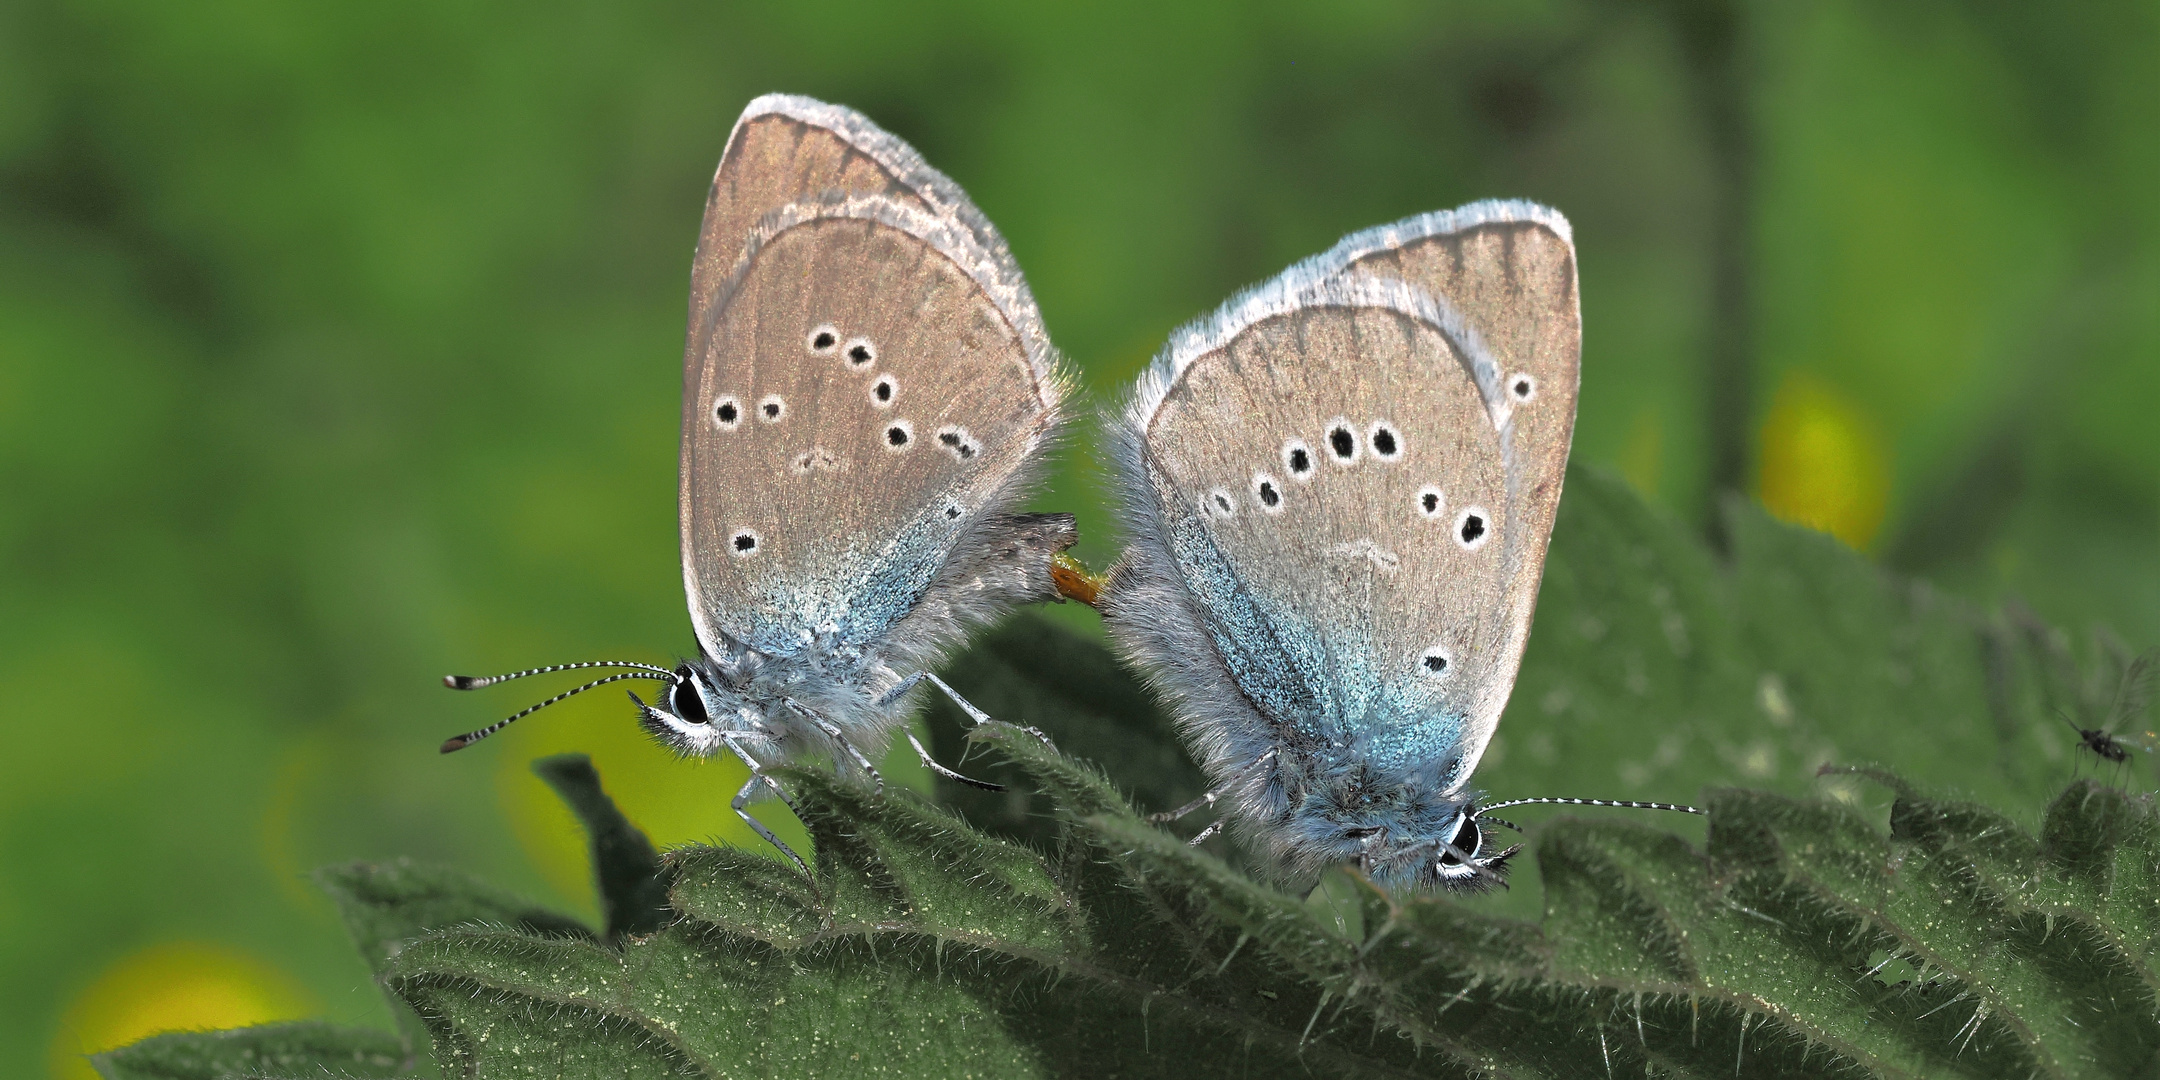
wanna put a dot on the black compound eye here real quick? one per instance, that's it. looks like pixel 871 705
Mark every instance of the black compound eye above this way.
pixel 1466 839
pixel 686 703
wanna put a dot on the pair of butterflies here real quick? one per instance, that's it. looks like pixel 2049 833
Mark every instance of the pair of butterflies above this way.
pixel 1339 489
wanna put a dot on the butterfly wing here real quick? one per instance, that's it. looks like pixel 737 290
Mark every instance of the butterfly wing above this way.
pixel 1371 597
pixel 864 388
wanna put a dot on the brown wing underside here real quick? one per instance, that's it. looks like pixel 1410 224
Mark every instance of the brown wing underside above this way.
pixel 835 467
pixel 1515 284
pixel 773 160
pixel 1351 545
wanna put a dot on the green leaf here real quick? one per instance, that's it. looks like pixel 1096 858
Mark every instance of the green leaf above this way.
pixel 627 871
pixel 308 1048
pixel 1855 925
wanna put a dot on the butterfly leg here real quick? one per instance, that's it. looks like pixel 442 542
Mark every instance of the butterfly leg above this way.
pixel 741 805
pixel 980 717
pixel 932 764
pixel 832 731
pixel 1218 791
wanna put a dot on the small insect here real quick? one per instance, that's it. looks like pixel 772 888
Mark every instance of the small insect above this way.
pixel 867 394
pixel 1340 487
pixel 2125 712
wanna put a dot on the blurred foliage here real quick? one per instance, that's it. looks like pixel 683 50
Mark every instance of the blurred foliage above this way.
pixel 339 345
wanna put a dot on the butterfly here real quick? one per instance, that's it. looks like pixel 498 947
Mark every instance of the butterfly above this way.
pixel 1340 487
pixel 868 393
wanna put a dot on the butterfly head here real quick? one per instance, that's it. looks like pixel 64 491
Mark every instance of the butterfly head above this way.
pixel 1398 840
pixel 702 710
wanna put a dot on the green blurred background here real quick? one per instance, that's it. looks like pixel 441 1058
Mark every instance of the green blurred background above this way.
pixel 339 346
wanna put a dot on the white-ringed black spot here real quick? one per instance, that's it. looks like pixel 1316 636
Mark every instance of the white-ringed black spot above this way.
pixel 1386 441
pixel 860 353
pixel 1342 442
pixel 770 408
pixel 743 544
pixel 824 338
pixel 958 442
pixel 1522 386
pixel 727 413
pixel 1297 457
pixel 899 436
pixel 883 391
pixel 952 512
pixel 1219 503
pixel 1431 502
pixel 1268 493
pixel 1473 527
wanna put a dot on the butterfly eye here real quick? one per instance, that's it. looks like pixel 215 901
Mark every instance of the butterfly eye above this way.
pixel 1466 839
pixel 686 703
pixel 1522 386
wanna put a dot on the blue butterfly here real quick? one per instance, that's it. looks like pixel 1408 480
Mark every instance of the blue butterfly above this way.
pixel 867 395
pixel 1340 487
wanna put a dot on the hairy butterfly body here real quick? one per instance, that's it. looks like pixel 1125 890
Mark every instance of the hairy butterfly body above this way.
pixel 867 393
pixel 1341 486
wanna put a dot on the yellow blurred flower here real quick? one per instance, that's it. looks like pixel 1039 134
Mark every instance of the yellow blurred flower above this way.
pixel 1824 464
pixel 176 986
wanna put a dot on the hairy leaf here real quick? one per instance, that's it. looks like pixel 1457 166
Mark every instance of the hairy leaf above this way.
pixel 308 1048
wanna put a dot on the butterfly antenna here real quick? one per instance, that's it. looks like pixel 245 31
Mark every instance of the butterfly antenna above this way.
pixel 462 741
pixel 475 682
pixel 1628 804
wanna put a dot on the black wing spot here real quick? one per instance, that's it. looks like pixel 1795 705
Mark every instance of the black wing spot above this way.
pixel 1385 444
pixel 896 436
pixel 957 440
pixel 1268 495
pixel 952 512
pixel 744 543
pixel 1342 442
pixel 1297 458
pixel 1472 528
pixel 860 352
pixel 1430 501
pixel 823 339
pixel 772 408
pixel 884 390
pixel 1523 386
pixel 727 413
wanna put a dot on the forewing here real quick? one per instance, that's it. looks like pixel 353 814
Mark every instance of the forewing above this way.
pixel 1508 268
pixel 867 390
pixel 788 149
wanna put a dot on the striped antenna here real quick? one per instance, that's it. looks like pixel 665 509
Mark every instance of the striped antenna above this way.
pixel 1629 804
pixel 475 682
pixel 471 737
